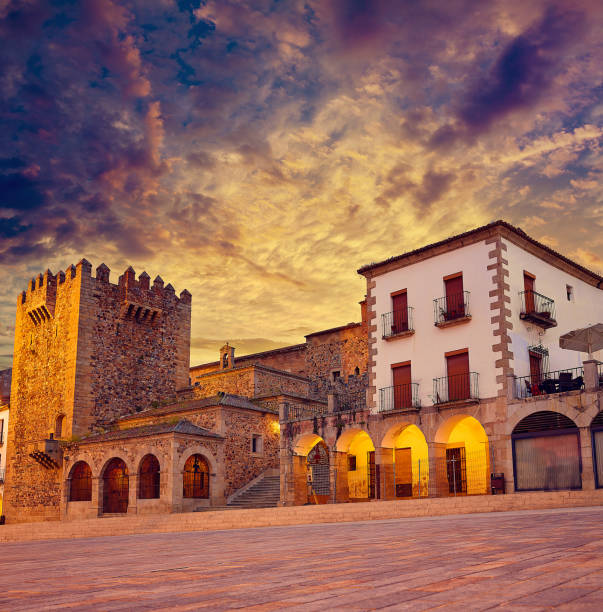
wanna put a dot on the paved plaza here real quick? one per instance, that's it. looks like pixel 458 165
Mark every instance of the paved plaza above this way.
pixel 531 560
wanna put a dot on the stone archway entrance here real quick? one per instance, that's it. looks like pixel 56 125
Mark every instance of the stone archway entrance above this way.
pixel 115 487
pixel 319 468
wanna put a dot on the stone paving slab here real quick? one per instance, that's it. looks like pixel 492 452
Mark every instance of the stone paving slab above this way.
pixel 524 560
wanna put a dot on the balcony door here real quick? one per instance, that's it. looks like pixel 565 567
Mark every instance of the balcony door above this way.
pixel 400 312
pixel 535 368
pixel 528 285
pixel 455 300
pixel 402 385
pixel 457 365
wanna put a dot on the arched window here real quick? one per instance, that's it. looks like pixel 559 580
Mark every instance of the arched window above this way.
pixel 81 482
pixel 58 426
pixel 195 478
pixel 115 487
pixel 149 478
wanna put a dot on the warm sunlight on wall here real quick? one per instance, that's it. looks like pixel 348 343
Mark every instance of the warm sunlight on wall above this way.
pixel 468 432
pixel 412 437
pixel 360 446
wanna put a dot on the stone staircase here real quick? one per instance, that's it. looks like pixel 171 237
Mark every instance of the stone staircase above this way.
pixel 263 494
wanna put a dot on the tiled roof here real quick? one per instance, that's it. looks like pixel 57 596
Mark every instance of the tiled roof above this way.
pixel 183 427
pixel 333 329
pixel 221 399
pixel 499 223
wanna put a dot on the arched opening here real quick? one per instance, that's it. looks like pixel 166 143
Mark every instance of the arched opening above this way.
pixel 362 470
pixel 596 428
pixel 195 478
pixel 80 483
pixel 318 469
pixel 546 453
pixel 462 457
pixel 409 473
pixel 148 478
pixel 115 487
pixel 58 426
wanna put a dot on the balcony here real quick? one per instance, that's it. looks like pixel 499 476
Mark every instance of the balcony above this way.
pixel 397 324
pixel 451 309
pixel 537 309
pixel 547 383
pixel 456 388
pixel 402 397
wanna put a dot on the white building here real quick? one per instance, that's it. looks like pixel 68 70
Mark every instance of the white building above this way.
pixel 454 320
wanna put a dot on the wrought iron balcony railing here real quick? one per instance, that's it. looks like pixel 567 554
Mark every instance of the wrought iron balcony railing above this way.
pixel 401 397
pixel 546 383
pixel 537 308
pixel 451 308
pixel 396 322
pixel 455 388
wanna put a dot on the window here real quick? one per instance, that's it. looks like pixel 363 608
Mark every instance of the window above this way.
pixel 400 311
pixel 256 444
pixel 569 290
pixel 195 479
pixel 457 366
pixel 336 374
pixel 148 479
pixel 528 286
pixel 455 296
pixel 80 488
pixel 351 463
pixel 356 371
pixel 58 426
pixel 401 379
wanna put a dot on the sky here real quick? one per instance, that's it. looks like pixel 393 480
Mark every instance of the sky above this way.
pixel 258 152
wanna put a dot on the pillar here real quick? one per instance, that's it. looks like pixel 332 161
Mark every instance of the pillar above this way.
pixel 586 452
pixel 384 457
pixel 438 476
pixel 339 481
pixel 132 493
pixel 591 375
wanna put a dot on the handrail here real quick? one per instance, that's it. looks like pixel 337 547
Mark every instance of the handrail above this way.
pixel 399 397
pixel 451 307
pixel 397 322
pixel 456 388
pixel 546 383
pixel 533 303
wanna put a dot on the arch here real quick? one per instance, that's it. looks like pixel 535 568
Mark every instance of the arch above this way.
pixel 195 477
pixel 58 426
pixel 80 482
pixel 361 463
pixel 198 449
pixel 318 464
pixel 462 456
pixel 410 462
pixel 546 452
pixel 305 443
pixel 116 486
pixel 149 477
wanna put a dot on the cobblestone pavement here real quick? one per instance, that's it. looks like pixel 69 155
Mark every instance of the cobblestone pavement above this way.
pixel 532 560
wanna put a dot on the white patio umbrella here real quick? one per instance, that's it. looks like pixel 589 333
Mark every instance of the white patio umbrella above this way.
pixel 585 340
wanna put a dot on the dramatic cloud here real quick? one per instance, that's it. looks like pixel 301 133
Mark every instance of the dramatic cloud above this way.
pixel 257 152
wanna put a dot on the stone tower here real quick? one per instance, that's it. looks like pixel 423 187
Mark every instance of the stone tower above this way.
pixel 86 352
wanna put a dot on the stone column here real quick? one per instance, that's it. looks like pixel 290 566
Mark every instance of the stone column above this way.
pixel 591 375
pixel 132 493
pixel 339 480
pixel 438 476
pixel 384 458
pixel 97 496
pixel 173 476
pixel 511 388
pixel 586 452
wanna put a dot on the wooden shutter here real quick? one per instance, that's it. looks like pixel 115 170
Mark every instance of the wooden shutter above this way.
pixel 402 385
pixel 400 312
pixel 535 368
pixel 457 365
pixel 455 298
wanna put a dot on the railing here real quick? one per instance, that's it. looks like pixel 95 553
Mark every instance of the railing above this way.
pixel 350 400
pixel 396 322
pixel 451 307
pixel 535 304
pixel 399 397
pixel 301 412
pixel 547 383
pixel 455 388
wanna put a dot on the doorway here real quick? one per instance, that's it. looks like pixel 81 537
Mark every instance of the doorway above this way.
pixel 115 487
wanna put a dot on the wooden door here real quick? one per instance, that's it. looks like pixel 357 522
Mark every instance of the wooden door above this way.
pixel 528 285
pixel 455 298
pixel 403 467
pixel 535 368
pixel 456 470
pixel 372 475
pixel 458 376
pixel 400 312
pixel 402 386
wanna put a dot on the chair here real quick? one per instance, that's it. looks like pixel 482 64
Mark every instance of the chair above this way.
pixel 565 381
